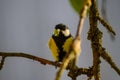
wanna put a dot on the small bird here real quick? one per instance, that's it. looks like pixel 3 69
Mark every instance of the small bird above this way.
pixel 60 42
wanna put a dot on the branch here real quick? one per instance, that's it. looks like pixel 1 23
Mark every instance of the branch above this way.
pixel 94 34
pixel 4 55
pixel 83 14
pixel 35 58
pixel 81 71
pixel 105 24
pixel 63 66
pixel 75 48
pixel 96 37
pixel 108 58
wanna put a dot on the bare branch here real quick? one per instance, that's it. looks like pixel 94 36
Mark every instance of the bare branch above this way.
pixel 76 44
pixel 83 14
pixel 35 58
pixel 78 71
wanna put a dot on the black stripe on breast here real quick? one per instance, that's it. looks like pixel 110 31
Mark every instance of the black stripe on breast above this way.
pixel 59 40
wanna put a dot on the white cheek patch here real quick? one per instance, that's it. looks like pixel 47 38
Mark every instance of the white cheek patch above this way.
pixel 66 32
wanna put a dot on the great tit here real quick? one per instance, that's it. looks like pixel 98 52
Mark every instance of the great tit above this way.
pixel 60 42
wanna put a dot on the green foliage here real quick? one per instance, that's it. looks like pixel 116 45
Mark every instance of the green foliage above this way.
pixel 77 5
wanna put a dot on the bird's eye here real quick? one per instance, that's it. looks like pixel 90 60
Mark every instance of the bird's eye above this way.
pixel 56 32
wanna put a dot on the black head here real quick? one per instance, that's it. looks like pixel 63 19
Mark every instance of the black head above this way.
pixel 61 26
pixel 61 30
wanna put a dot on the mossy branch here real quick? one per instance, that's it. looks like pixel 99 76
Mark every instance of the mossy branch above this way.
pixel 95 36
pixel 105 24
pixel 105 55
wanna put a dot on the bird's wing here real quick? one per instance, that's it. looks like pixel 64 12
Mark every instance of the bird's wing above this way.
pixel 54 49
pixel 67 44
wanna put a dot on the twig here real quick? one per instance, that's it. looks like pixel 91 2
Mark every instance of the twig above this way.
pixel 79 28
pixel 41 60
pixel 105 55
pixel 70 59
pixel 78 71
pixel 75 46
pixel 83 14
pixel 105 24
pixel 63 66
pixel 81 71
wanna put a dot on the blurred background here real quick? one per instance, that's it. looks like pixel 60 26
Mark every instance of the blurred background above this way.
pixel 26 26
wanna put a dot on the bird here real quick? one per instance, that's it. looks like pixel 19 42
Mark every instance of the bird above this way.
pixel 60 42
